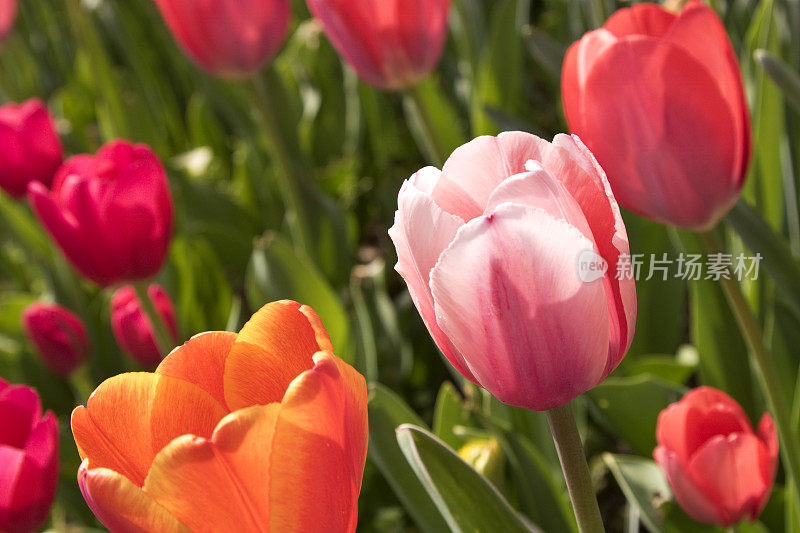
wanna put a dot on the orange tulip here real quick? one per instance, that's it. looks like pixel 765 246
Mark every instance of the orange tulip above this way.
pixel 261 431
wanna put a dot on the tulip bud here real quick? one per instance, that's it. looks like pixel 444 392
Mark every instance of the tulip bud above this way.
pixel 721 471
pixel 510 253
pixel 8 12
pixel 392 44
pixel 28 459
pixel 229 39
pixel 111 213
pixel 30 149
pixel 59 336
pixel 658 98
pixel 132 328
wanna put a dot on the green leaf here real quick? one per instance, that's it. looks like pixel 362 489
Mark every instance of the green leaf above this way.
pixel 785 77
pixel 278 272
pixel 386 412
pixel 630 406
pixel 449 413
pixel 670 368
pixel 643 483
pixel 466 499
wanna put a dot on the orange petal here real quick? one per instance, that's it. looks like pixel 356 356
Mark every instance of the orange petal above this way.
pixel 220 484
pixel 130 417
pixel 201 360
pixel 122 506
pixel 272 349
pixel 319 449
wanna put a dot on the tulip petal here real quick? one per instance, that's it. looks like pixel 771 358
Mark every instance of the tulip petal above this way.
pixel 681 163
pixel 642 19
pixel 694 30
pixel 704 412
pixel 508 294
pixel 768 434
pixel 319 450
pixel 729 471
pixel 274 347
pixel 221 484
pixel 21 409
pixel 122 506
pixel 578 62
pixel 421 232
pixel 201 361
pixel 686 492
pixel 129 418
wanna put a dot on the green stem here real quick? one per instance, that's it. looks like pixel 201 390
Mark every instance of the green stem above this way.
pixel 767 371
pixel 288 182
pixel 576 470
pixel 427 138
pixel 160 332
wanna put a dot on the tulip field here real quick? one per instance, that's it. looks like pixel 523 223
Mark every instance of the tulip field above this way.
pixel 400 266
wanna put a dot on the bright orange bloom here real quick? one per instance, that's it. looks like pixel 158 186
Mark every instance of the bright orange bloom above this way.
pixel 261 431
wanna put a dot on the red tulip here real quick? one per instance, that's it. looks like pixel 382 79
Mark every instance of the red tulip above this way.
pixel 264 430
pixel 133 330
pixel 490 249
pixel 8 12
pixel 28 459
pixel 111 214
pixel 229 38
pixel 392 44
pixel 30 149
pixel 658 98
pixel 720 471
pixel 59 336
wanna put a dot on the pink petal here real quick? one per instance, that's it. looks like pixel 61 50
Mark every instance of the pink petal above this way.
pixel 651 20
pixel 508 295
pixel 686 492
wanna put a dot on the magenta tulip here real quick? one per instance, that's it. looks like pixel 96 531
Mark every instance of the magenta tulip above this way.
pixel 229 38
pixel 59 336
pixel 8 12
pixel 133 330
pixel 658 98
pixel 30 149
pixel 720 470
pixel 28 459
pixel 392 44
pixel 111 214
pixel 511 255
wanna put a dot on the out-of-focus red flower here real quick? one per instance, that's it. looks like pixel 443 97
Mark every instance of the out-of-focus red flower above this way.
pixel 720 470
pixel 30 149
pixel 28 459
pixel 229 38
pixel 133 330
pixel 59 336
pixel 8 12
pixel 392 44
pixel 110 213
pixel 658 98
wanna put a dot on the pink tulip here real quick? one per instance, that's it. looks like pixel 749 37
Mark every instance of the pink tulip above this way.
pixel 8 12
pixel 490 250
pixel 658 98
pixel 111 214
pixel 721 471
pixel 133 330
pixel 59 336
pixel 30 149
pixel 392 44
pixel 28 459
pixel 229 38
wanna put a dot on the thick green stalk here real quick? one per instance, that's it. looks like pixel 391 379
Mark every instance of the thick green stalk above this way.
pixel 160 332
pixel 766 369
pixel 576 469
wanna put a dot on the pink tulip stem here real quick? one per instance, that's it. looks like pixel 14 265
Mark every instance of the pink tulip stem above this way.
pixel 768 373
pixel 160 332
pixel 576 469
pixel 288 180
pixel 427 138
